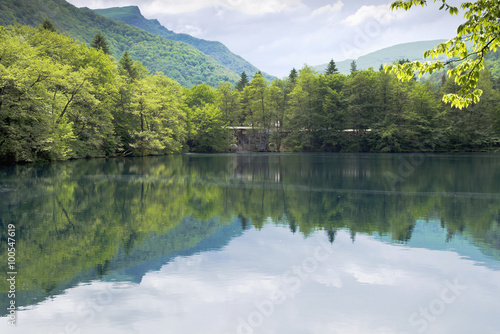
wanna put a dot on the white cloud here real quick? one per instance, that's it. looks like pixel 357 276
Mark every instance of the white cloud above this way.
pixel 381 14
pixel 365 287
pixel 277 35
pixel 191 30
pixel 104 3
pixel 152 7
pixel 263 6
pixel 380 276
pixel 252 7
pixel 328 9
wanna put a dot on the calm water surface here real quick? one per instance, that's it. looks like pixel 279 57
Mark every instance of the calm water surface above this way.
pixel 257 243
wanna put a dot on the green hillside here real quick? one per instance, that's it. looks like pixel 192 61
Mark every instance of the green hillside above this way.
pixel 132 15
pixel 178 60
pixel 411 51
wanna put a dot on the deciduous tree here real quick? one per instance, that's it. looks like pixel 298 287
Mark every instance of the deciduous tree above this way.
pixel 481 31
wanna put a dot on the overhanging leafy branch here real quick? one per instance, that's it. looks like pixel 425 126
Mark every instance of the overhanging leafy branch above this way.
pixel 481 31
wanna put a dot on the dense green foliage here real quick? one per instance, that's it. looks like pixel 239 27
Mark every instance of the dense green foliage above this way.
pixel 218 51
pixel 493 64
pixel 177 60
pixel 332 68
pixel 467 51
pixel 366 111
pixel 99 41
pixel 60 99
pixel 210 128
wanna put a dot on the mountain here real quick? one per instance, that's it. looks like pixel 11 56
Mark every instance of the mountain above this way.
pixel 218 51
pixel 177 60
pixel 411 51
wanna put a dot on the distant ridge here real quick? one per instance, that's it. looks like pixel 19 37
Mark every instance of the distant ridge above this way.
pixel 132 15
pixel 411 51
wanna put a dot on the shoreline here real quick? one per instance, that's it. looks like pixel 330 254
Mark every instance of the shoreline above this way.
pixel 46 162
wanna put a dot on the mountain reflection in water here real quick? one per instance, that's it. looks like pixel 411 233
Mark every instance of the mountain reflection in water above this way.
pixel 245 220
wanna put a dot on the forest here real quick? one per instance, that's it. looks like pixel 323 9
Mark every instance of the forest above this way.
pixel 179 61
pixel 61 99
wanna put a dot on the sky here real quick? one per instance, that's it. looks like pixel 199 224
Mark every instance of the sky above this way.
pixel 278 35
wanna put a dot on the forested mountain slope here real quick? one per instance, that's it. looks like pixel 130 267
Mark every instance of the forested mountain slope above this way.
pixel 132 15
pixel 177 60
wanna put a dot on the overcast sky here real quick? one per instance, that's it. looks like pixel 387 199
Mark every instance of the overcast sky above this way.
pixel 278 35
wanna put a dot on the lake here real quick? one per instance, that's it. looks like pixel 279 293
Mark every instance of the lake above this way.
pixel 253 243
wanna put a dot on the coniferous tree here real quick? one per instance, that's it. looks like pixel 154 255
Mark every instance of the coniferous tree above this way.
pixel 354 66
pixel 99 42
pixel 48 25
pixel 243 81
pixel 293 76
pixel 127 64
pixel 332 68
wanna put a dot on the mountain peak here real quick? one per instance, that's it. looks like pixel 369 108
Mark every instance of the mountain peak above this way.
pixel 218 51
pixel 131 9
pixel 180 61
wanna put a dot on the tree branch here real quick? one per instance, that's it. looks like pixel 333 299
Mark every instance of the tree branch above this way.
pixel 69 101
pixel 482 51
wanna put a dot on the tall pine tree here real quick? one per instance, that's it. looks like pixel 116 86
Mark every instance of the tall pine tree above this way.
pixel 99 42
pixel 243 82
pixel 332 68
pixel 127 65
pixel 354 66
pixel 293 76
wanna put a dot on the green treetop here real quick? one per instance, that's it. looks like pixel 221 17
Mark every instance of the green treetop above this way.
pixel 332 68
pixel 48 25
pixel 293 76
pixel 243 82
pixel 354 66
pixel 99 42
pixel 127 65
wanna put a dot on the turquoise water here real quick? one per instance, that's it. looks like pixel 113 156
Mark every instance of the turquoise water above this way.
pixel 255 243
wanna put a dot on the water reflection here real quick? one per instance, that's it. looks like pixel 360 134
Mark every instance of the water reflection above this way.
pixel 366 287
pixel 129 220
